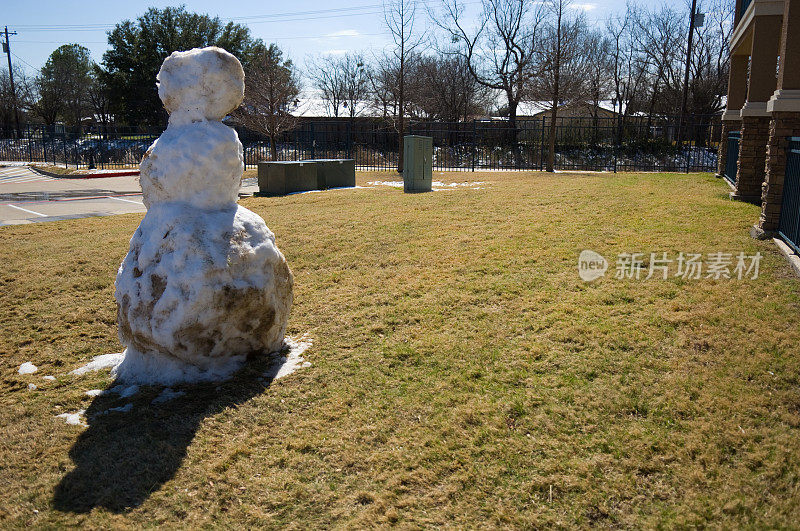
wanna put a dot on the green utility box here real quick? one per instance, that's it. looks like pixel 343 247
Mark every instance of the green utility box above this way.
pixel 417 163
pixel 285 177
pixel 336 173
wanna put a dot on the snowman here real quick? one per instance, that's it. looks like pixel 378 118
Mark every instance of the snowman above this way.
pixel 203 284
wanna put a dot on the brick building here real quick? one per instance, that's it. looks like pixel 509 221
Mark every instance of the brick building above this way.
pixel 763 112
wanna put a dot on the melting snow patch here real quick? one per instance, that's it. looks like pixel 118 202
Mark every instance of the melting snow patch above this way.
pixel 121 409
pixel 293 360
pixel 31 387
pixel 437 185
pixel 129 391
pixel 73 419
pixel 95 392
pixel 103 361
pixel 396 184
pixel 49 378
pixel 166 395
pixel 28 368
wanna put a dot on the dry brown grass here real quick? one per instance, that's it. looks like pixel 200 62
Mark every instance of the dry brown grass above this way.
pixel 462 373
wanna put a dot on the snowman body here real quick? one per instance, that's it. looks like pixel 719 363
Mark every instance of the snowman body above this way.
pixel 203 284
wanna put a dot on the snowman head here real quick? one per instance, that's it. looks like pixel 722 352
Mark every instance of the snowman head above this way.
pixel 200 84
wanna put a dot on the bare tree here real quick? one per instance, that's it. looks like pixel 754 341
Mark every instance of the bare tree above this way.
pixel 355 82
pixel 599 78
pixel 98 94
pixel 383 86
pixel 564 61
pixel 446 90
pixel 271 91
pixel 327 79
pixel 501 53
pixel 23 90
pixel 399 16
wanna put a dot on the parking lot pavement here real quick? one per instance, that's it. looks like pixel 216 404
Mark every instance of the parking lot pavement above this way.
pixel 24 198
pixel 20 212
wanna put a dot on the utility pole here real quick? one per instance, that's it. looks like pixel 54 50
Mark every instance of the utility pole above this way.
pixel 686 75
pixel 7 46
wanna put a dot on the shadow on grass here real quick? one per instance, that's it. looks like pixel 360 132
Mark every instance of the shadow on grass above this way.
pixel 121 458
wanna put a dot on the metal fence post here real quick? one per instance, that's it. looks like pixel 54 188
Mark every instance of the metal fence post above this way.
pixel 474 142
pixel 349 145
pixel 44 144
pixel 541 148
pixel 30 151
pixel 615 139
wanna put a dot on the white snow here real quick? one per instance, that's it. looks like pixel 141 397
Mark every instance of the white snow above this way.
pixel 200 84
pixel 120 409
pixel 121 390
pixel 129 391
pixel 436 185
pixel 395 184
pixel 49 378
pixel 155 368
pixel 32 387
pixel 166 395
pixel 203 284
pixel 293 360
pixel 208 178
pixel 73 419
pixel 27 368
pixel 104 361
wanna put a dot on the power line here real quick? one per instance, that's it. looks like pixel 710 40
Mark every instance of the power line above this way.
pixel 24 61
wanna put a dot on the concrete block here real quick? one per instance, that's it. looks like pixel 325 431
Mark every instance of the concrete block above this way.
pixel 285 177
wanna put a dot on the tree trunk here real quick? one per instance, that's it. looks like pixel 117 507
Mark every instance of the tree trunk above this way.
pixel 512 125
pixel 273 149
pixel 401 130
pixel 551 150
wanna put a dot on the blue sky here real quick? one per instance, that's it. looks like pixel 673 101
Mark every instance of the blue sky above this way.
pixel 301 27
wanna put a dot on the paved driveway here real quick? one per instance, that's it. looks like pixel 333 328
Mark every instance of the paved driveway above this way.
pixel 28 197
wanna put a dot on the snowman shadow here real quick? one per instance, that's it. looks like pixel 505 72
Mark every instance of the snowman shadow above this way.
pixel 123 458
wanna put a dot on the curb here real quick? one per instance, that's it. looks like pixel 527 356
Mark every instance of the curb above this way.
pixel 790 255
pixel 121 173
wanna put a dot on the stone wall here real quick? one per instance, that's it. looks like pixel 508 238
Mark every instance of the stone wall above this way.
pixel 783 125
pixel 752 158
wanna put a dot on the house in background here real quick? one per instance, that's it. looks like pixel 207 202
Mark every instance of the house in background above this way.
pixel 761 158
pixel 536 110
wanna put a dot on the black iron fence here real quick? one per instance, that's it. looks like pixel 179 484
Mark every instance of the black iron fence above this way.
pixel 732 160
pixel 585 143
pixel 789 225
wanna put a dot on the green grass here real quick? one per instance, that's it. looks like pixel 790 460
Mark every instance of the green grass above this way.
pixel 463 375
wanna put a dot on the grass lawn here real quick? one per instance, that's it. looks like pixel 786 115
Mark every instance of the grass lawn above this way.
pixel 462 372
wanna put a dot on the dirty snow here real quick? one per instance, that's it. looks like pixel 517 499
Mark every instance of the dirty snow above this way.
pixel 73 419
pixel 203 283
pixel 166 395
pixel 284 365
pixel 28 368
pixel 32 387
pixel 104 361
